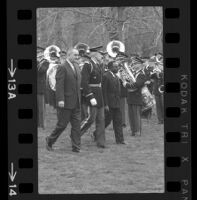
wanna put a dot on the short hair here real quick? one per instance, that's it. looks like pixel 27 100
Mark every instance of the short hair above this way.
pixel 70 51
pixel 110 64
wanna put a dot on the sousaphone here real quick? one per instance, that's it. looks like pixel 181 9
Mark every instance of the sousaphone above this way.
pixel 51 50
pixel 115 47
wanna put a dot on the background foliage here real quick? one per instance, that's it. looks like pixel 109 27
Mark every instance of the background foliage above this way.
pixel 139 28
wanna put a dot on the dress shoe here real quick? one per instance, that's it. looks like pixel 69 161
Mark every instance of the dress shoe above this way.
pixel 76 150
pixel 101 146
pixel 48 145
pixel 123 142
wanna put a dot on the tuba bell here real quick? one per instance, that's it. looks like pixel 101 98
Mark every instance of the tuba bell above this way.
pixel 51 52
pixel 116 50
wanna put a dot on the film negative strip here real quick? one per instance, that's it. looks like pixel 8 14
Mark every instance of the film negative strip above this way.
pixel 24 171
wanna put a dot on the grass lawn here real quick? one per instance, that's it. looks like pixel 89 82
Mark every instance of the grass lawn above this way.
pixel 134 168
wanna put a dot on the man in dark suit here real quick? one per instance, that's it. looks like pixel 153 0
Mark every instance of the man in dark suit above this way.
pixel 68 80
pixel 135 102
pixel 112 101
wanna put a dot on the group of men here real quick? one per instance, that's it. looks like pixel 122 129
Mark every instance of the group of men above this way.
pixel 86 93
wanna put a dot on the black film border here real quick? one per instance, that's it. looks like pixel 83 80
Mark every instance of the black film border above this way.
pixel 22 122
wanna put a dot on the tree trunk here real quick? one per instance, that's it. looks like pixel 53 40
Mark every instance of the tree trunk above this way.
pixel 76 29
pixel 58 29
pixel 115 22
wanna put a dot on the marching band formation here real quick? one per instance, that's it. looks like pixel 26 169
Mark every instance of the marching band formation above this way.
pixel 86 86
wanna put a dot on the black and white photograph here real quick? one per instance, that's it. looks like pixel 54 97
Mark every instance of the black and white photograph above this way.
pixel 100 108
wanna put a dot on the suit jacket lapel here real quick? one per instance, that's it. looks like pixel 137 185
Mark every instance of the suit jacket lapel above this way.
pixel 71 69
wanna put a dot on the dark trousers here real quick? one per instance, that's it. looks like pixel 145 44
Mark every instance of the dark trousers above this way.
pixel 41 110
pixel 134 112
pixel 96 115
pixel 84 111
pixel 65 116
pixel 122 108
pixel 159 108
pixel 115 115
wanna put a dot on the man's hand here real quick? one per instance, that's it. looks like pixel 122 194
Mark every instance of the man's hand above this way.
pixel 61 104
pixel 147 82
pixel 93 102
pixel 124 83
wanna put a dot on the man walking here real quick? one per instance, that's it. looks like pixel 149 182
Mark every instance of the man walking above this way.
pixel 92 90
pixel 112 100
pixel 68 80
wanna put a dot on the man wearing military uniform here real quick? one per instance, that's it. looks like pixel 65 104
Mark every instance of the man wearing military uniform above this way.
pixel 157 82
pixel 91 78
pixel 157 86
pixel 123 103
pixel 84 106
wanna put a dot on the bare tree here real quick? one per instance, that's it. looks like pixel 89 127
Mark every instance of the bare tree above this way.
pixel 140 28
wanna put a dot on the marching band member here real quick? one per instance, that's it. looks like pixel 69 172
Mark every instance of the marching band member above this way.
pixel 134 96
pixel 157 80
pixel 113 48
pixel 42 67
pixel 135 102
pixel 158 99
pixel 68 81
pixel 123 103
pixel 158 93
pixel 91 87
pixel 52 55
pixel 112 101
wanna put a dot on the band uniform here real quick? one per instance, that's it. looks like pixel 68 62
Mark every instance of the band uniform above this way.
pixel 135 102
pixel 42 67
pixel 157 82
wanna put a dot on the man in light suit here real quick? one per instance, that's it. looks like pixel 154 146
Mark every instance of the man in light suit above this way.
pixel 68 80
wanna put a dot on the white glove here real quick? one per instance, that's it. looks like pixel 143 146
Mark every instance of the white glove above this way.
pixel 61 104
pixel 147 82
pixel 93 102
pixel 124 83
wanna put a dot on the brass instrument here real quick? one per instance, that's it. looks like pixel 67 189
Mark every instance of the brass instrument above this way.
pixel 160 73
pixel 147 98
pixel 161 89
pixel 156 63
pixel 116 50
pixel 52 50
